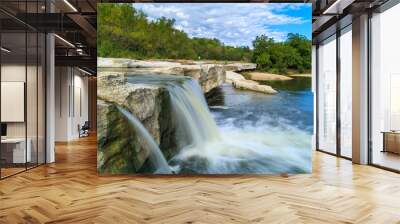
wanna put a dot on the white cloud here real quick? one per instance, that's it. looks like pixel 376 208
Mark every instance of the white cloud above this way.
pixel 233 24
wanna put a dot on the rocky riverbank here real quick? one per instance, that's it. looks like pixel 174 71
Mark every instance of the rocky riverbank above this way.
pixel 264 76
pixel 210 74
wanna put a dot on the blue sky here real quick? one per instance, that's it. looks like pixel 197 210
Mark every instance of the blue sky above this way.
pixel 235 24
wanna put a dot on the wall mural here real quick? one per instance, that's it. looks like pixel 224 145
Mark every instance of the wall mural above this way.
pixel 204 88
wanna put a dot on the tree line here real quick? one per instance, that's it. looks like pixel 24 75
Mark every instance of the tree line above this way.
pixel 123 31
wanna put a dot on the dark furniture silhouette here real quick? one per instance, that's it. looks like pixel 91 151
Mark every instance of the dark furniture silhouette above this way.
pixel 84 130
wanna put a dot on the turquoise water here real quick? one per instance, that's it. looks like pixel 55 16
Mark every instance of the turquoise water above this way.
pixel 291 108
pixel 296 84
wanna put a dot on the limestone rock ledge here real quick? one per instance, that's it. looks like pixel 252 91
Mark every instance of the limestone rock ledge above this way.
pixel 209 75
pixel 120 150
pixel 239 66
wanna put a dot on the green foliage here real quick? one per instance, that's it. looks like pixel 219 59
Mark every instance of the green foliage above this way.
pixel 264 60
pixel 124 31
pixel 303 47
pixel 278 57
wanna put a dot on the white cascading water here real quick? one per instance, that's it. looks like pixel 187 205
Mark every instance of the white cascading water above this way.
pixel 207 148
pixel 192 114
pixel 219 152
pixel 156 157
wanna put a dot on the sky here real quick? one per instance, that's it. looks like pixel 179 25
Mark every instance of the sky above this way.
pixel 235 24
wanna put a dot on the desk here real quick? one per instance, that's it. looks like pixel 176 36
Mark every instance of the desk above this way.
pixel 13 150
pixel 391 141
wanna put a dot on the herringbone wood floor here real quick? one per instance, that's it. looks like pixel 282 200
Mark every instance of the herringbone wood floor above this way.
pixel 70 191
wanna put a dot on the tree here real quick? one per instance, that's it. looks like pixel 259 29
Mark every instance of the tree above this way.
pixel 303 47
pixel 124 31
pixel 261 45
pixel 294 53
pixel 264 60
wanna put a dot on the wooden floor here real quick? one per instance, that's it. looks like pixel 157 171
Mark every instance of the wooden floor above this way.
pixel 5 172
pixel 70 191
pixel 387 159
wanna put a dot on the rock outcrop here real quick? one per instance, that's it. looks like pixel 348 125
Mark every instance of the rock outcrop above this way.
pixel 234 77
pixel 239 82
pixel 131 63
pixel 239 66
pixel 119 148
pixel 254 86
pixel 209 75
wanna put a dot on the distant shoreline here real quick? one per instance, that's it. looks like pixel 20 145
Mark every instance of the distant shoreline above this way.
pixel 302 75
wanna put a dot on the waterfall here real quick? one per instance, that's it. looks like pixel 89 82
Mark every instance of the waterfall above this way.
pixel 192 114
pixel 205 147
pixel 156 157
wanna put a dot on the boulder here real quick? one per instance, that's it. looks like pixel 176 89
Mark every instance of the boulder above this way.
pixel 233 76
pixel 254 86
pixel 239 82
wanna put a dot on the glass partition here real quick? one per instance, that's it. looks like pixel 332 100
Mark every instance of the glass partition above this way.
pixel 385 89
pixel 346 92
pixel 327 95
pixel 22 88
pixel 13 94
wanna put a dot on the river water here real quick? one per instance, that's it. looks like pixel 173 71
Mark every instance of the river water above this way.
pixel 240 132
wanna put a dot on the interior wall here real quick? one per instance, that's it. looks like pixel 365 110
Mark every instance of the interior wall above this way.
pixel 71 102
pixel 80 102
pixel 62 81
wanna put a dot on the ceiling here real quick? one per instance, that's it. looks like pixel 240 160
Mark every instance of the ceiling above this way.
pixel 73 22
pixel 329 13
